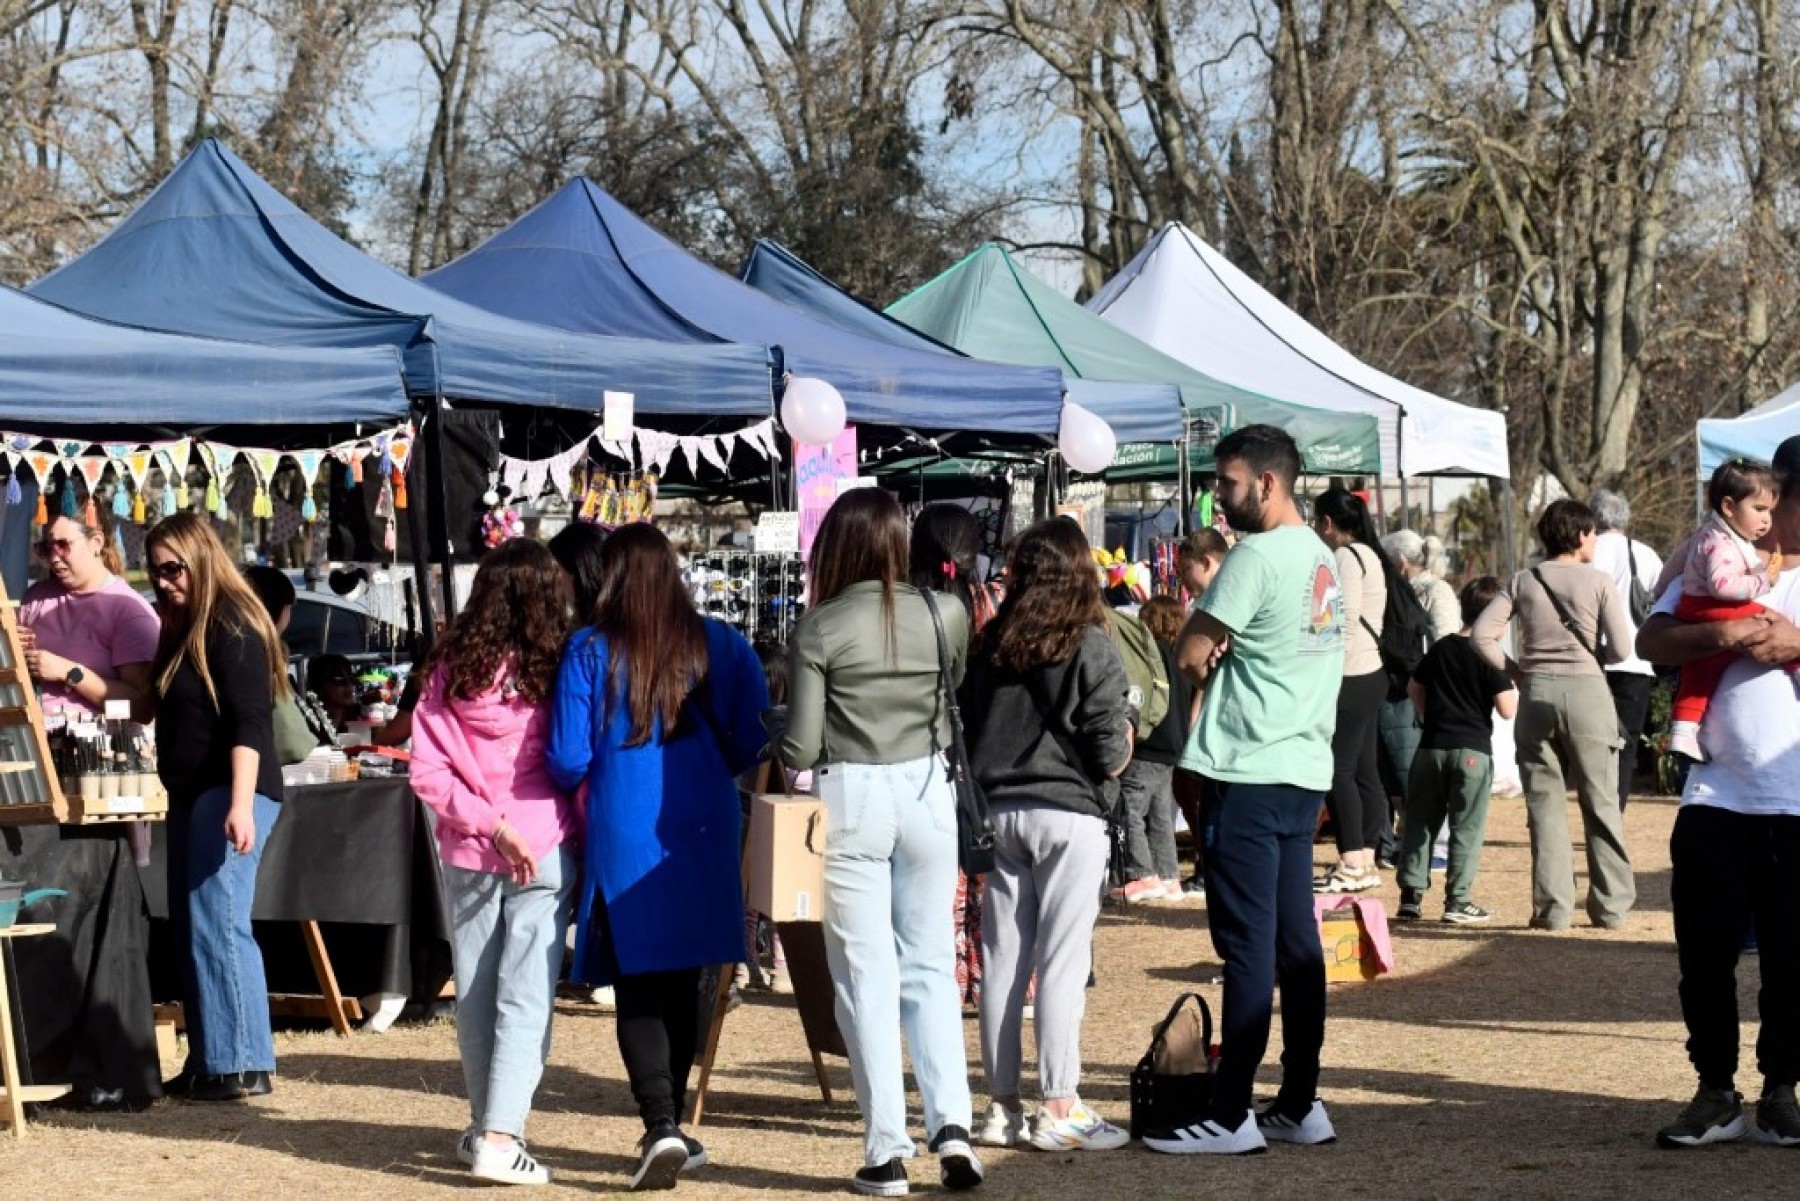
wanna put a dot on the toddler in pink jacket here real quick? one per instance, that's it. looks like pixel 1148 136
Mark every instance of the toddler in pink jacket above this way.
pixel 506 834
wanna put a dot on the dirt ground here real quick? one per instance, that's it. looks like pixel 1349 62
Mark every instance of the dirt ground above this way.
pixel 1494 1061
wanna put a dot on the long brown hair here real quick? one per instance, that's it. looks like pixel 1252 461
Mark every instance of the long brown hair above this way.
pixel 862 539
pixel 658 641
pixel 217 595
pixel 517 615
pixel 1052 597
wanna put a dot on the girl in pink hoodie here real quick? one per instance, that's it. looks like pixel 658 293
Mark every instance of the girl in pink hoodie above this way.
pixel 507 836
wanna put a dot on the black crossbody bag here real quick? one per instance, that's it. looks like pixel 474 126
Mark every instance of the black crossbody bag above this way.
pixel 974 825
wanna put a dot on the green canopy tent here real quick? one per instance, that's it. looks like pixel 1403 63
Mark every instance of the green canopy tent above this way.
pixel 989 307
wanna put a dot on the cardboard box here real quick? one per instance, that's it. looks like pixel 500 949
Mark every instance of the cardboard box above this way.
pixel 1349 956
pixel 787 857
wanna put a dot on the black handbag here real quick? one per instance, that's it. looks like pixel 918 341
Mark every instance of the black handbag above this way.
pixel 1161 1101
pixel 974 825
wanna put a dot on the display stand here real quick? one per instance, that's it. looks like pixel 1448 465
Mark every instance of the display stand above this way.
pixel 30 793
pixel 16 1095
pixel 804 945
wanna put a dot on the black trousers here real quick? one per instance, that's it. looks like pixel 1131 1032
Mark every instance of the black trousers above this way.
pixel 658 1020
pixel 1732 872
pixel 1260 910
pixel 1631 700
pixel 1358 803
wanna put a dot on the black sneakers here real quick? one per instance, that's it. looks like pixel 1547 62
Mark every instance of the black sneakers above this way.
pixel 881 1180
pixel 1465 913
pixel 663 1153
pixel 1715 1115
pixel 959 1168
pixel 1778 1118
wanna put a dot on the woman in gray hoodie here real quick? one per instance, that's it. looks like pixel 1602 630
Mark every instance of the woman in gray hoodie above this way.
pixel 1050 729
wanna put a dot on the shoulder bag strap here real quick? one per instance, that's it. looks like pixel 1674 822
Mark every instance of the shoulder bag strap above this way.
pixel 958 751
pixel 1352 548
pixel 1568 619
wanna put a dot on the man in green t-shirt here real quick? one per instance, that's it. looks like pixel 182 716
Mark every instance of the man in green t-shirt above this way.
pixel 1267 643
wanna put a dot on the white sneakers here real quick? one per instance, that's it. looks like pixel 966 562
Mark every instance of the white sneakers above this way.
pixel 1254 1133
pixel 1310 1131
pixel 1082 1130
pixel 505 1163
pixel 1004 1127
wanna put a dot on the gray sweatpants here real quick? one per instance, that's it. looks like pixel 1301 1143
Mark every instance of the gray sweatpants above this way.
pixel 1039 905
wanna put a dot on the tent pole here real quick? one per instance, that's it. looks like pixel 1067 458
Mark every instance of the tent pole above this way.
pixel 416 519
pixel 1510 551
pixel 1184 484
pixel 440 502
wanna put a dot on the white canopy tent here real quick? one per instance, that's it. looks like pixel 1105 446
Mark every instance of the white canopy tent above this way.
pixel 1187 300
pixel 1752 435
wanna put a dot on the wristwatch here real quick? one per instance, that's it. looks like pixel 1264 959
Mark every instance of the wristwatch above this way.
pixel 75 676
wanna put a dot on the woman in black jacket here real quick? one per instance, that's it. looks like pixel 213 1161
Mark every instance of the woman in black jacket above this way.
pixel 218 672
pixel 1049 725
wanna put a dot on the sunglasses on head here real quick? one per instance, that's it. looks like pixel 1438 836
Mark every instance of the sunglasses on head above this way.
pixel 170 571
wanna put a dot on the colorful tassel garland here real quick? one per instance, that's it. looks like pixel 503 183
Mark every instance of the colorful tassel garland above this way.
pixel 356 472
pixel 168 499
pixel 14 494
pixel 387 458
pixel 138 510
pixel 121 505
pixel 399 489
pixel 42 516
pixel 262 506
pixel 309 511
pixel 212 500
pixel 70 502
pixel 90 515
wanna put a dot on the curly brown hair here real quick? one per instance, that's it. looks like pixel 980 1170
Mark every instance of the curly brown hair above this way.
pixel 1052 597
pixel 1164 616
pixel 517 615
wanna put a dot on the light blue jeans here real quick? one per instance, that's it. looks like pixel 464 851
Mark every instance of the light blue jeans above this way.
pixel 211 891
pixel 890 879
pixel 507 942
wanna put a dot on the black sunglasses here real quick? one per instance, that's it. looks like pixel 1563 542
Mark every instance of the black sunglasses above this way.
pixel 169 572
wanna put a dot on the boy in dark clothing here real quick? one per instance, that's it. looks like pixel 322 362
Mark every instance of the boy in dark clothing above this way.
pixel 1457 692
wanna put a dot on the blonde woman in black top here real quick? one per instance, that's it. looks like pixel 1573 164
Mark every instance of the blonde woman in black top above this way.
pixel 218 672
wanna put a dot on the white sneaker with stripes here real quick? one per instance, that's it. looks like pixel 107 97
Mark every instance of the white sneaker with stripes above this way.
pixel 1311 1130
pixel 1209 1138
pixel 508 1163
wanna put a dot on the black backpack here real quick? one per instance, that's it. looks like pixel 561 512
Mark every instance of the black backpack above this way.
pixel 1638 597
pixel 1406 632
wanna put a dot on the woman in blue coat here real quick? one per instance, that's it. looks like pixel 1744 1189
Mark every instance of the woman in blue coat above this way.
pixel 657 709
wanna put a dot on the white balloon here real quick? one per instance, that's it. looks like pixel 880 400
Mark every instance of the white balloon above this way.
pixel 812 410
pixel 1086 441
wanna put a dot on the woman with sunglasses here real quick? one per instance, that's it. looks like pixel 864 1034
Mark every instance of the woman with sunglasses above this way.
pixel 218 672
pixel 866 704
pixel 88 636
pixel 657 710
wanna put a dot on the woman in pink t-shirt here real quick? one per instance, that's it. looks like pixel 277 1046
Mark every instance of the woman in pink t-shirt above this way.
pixel 88 637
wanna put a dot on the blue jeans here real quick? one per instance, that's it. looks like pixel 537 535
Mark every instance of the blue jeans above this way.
pixel 224 992
pixel 890 879
pixel 1259 903
pixel 507 942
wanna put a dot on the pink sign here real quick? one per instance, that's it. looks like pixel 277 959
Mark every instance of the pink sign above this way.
pixel 817 470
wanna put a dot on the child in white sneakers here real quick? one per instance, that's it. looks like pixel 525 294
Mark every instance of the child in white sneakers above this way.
pixel 1724 577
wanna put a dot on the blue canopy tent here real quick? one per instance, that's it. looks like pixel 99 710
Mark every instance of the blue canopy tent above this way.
pixel 1137 411
pixel 582 261
pixel 59 370
pixel 216 251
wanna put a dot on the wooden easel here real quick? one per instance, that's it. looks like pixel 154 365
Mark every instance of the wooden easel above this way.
pixel 709 1050
pixel 30 793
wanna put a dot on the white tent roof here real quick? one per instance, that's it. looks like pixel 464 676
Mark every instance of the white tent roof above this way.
pixel 1187 300
pixel 1752 435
